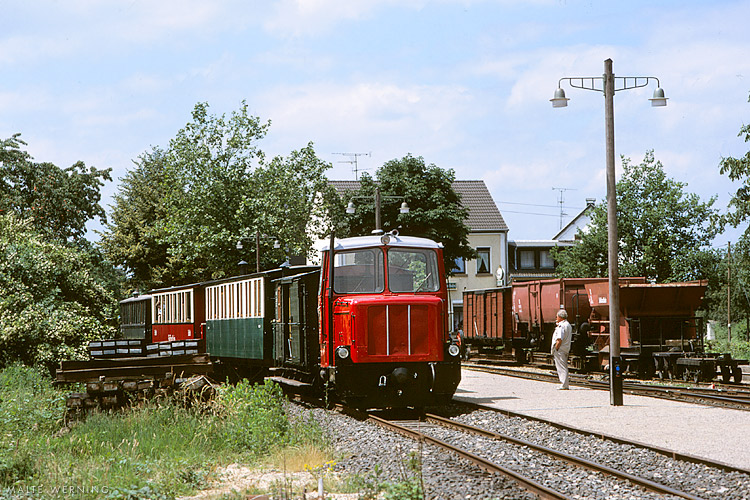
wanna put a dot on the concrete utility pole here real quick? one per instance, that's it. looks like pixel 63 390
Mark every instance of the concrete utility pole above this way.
pixel 608 87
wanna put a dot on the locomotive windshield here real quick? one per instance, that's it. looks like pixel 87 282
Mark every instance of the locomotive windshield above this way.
pixel 359 271
pixel 363 271
pixel 412 270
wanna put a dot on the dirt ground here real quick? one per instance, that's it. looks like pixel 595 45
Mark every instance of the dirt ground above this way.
pixel 239 479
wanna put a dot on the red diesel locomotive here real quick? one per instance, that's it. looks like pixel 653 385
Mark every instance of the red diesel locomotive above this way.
pixel 382 325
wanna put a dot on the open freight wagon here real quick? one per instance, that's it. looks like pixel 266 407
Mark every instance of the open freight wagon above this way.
pixel 660 333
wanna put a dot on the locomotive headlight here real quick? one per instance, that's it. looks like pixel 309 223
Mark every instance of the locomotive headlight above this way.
pixel 453 350
pixel 342 352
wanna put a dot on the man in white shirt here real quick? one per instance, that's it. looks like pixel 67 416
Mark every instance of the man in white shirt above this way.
pixel 561 347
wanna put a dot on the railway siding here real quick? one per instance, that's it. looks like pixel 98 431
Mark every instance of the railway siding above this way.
pixel 717 434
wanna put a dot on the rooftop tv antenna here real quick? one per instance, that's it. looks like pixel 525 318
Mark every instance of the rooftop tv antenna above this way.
pixel 561 201
pixel 353 161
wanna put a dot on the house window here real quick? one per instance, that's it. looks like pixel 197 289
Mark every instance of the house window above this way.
pixel 483 261
pixel 459 266
pixel 527 259
pixel 545 260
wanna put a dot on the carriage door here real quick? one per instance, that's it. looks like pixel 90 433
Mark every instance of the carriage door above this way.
pixel 281 323
pixel 295 346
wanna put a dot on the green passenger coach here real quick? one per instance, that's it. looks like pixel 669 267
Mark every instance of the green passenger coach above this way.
pixel 235 316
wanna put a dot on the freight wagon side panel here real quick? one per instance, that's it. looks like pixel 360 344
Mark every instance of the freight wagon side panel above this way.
pixel 468 313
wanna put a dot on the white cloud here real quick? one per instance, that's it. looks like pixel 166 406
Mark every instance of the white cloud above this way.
pixel 368 111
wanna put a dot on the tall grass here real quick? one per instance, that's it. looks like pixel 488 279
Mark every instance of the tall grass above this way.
pixel 161 450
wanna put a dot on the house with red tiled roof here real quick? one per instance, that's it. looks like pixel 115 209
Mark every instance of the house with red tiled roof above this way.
pixel 488 235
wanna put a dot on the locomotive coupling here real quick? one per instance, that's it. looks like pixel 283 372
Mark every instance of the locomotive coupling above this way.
pixel 401 375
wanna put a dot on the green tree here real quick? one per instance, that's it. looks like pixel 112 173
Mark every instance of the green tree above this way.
pixel 664 232
pixel 435 208
pixel 58 201
pixel 178 216
pixel 289 199
pixel 738 170
pixel 209 170
pixel 134 236
pixel 56 297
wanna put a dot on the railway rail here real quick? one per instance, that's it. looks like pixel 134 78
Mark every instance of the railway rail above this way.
pixel 547 472
pixel 726 396
pixel 551 460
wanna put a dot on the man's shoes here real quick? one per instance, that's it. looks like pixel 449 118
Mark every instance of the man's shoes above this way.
pixel 563 388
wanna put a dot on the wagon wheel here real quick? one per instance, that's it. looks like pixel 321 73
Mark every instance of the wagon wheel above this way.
pixel 697 376
pixel 686 375
pixel 737 374
pixel 726 373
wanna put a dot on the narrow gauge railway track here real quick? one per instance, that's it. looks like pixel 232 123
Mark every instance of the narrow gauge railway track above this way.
pixel 669 454
pixel 549 473
pixel 697 477
pixel 727 396
pixel 706 478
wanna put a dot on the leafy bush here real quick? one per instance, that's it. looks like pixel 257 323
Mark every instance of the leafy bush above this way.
pixel 253 416
pixel 739 347
pixel 28 406
pixel 55 297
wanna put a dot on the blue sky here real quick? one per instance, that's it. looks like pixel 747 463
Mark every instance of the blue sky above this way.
pixel 463 83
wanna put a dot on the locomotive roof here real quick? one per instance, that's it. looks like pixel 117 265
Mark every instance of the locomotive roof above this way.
pixel 375 241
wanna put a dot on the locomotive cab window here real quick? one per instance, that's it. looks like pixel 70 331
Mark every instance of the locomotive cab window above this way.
pixel 359 271
pixel 412 271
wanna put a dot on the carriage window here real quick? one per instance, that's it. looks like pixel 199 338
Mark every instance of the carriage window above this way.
pixel 359 271
pixel 412 271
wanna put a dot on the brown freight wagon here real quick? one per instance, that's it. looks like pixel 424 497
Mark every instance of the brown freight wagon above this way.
pixel 487 320
pixel 660 333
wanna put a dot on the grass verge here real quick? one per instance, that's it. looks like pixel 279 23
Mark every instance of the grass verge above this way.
pixel 161 450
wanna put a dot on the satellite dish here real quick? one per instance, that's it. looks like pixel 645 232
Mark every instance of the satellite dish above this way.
pixel 499 275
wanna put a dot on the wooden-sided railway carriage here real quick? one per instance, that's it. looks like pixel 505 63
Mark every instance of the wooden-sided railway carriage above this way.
pixel 369 327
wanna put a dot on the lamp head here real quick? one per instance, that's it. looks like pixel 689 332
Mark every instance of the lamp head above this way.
pixel 404 208
pixel 350 207
pixel 559 101
pixel 658 99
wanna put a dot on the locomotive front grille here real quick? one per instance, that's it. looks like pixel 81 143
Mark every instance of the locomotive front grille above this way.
pixel 397 329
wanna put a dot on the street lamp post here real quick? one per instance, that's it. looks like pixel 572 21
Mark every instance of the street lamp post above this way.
pixel 404 209
pixel 258 237
pixel 609 87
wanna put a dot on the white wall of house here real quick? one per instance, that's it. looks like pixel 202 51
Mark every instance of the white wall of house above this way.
pixel 471 279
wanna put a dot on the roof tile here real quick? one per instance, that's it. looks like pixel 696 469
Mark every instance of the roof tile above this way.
pixel 484 215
